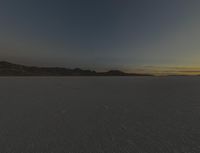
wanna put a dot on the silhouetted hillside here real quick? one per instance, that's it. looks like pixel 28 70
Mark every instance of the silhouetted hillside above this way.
pixel 10 69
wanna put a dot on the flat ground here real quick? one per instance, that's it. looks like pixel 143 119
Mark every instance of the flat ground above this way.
pixel 100 115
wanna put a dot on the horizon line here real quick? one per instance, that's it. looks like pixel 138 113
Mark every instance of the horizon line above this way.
pixel 151 70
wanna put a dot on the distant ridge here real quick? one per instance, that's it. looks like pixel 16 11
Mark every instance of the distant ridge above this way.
pixel 11 69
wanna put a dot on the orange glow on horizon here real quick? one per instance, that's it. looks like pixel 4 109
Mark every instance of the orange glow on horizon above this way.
pixel 164 71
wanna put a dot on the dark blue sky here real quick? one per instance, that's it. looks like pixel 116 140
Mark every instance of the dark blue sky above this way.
pixel 102 34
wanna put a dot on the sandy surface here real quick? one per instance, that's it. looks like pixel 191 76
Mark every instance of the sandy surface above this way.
pixel 100 115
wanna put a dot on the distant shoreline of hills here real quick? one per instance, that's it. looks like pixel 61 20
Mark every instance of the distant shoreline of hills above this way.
pixel 11 69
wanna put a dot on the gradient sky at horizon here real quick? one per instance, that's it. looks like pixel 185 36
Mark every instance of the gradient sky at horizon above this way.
pixel 106 34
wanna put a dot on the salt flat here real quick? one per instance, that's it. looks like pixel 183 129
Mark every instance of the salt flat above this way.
pixel 100 114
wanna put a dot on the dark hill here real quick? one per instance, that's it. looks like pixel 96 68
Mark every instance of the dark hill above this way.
pixel 10 69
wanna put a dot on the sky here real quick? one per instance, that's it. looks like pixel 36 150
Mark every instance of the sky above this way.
pixel 101 34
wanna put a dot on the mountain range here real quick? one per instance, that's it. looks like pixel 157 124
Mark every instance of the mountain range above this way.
pixel 11 69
